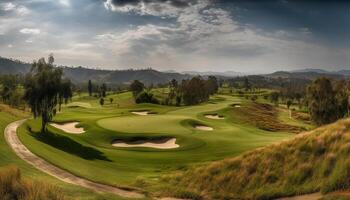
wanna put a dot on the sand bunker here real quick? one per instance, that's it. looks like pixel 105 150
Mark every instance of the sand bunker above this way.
pixel 69 127
pixel 141 113
pixel 214 116
pixel 165 143
pixel 203 128
pixel 236 105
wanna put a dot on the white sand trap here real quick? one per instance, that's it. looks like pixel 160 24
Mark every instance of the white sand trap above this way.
pixel 203 128
pixel 237 106
pixel 216 116
pixel 168 143
pixel 69 127
pixel 142 113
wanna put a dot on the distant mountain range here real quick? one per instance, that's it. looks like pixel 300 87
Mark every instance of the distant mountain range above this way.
pixel 310 74
pixel 212 73
pixel 322 71
pixel 151 76
pixel 82 75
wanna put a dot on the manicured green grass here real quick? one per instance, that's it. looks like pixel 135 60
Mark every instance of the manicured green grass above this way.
pixel 8 157
pixel 92 156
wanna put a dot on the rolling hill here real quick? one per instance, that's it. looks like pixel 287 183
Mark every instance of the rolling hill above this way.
pixel 312 162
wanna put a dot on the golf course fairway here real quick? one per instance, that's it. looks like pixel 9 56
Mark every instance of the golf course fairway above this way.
pixel 91 155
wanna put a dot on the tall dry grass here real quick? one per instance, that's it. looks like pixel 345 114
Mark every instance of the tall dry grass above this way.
pixel 315 161
pixel 13 187
pixel 263 116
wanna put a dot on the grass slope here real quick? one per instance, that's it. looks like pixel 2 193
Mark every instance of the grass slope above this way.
pixel 314 161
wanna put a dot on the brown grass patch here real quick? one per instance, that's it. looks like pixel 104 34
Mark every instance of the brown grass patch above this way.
pixel 302 117
pixel 12 186
pixel 263 116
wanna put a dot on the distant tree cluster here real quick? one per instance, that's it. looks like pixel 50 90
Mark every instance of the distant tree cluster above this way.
pixel 328 101
pixel 100 90
pixel 193 91
pixel 10 90
pixel 189 92
pixel 141 94
pixel 196 90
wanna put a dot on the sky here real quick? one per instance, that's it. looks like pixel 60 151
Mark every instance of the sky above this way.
pixel 252 36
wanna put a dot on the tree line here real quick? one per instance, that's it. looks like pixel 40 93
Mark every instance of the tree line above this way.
pixel 326 100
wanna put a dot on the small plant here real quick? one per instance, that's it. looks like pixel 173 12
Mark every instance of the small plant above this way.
pixel 102 101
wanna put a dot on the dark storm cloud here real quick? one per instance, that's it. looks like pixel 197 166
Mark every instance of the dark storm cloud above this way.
pixel 175 3
pixel 326 20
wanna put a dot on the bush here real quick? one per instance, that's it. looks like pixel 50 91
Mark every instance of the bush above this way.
pixel 146 97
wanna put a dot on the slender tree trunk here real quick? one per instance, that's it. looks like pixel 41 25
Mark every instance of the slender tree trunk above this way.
pixel 43 124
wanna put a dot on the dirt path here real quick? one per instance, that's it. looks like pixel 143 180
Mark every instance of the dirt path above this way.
pixel 314 196
pixel 39 163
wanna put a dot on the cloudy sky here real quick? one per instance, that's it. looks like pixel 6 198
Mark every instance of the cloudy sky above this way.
pixel 202 35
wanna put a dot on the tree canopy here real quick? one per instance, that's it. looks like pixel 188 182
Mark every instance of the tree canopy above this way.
pixel 44 90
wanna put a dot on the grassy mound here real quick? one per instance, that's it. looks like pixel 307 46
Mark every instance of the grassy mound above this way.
pixel 315 161
pixel 263 116
pixel 12 186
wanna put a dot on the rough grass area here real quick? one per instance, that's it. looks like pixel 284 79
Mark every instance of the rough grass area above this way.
pixel 12 186
pixel 263 116
pixel 302 116
pixel 314 161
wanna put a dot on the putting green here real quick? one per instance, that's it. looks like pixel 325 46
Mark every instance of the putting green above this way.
pixel 91 155
pixel 169 124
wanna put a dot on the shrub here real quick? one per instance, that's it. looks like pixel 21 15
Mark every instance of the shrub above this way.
pixel 146 97
pixel 13 187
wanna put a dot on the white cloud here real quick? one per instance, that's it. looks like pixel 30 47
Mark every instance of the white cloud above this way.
pixel 10 46
pixel 64 2
pixel 161 9
pixel 22 10
pixel 31 31
pixel 11 7
pixel 8 6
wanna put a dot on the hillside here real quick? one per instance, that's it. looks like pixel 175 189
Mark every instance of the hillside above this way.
pixel 8 66
pixel 308 75
pixel 313 161
pixel 147 76
pixel 81 74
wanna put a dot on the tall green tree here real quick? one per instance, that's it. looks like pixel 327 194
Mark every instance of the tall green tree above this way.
pixel 322 102
pixel 65 93
pixel 274 97
pixel 103 90
pixel 247 86
pixel 173 90
pixel 43 86
pixel 212 85
pixel 136 88
pixel 90 87
pixel 341 89
pixel 194 91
